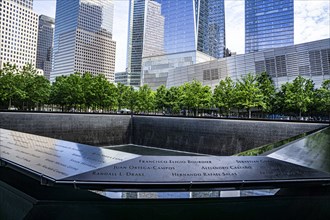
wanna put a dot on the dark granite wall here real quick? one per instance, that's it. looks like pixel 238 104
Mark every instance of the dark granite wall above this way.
pixel 82 128
pixel 208 136
pixel 216 137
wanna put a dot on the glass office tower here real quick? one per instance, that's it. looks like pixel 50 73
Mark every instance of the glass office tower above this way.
pixel 192 25
pixel 268 24
pixel 145 38
pixel 45 44
pixel 83 38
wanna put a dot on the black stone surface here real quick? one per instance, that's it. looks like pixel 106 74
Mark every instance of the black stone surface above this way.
pixel 214 137
pixel 311 151
pixel 92 129
pixel 66 162
pixel 205 136
pixel 180 169
pixel 52 158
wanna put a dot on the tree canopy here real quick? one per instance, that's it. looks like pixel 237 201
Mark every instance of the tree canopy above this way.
pixel 26 90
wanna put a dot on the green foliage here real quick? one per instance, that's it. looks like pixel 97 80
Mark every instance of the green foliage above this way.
pixel 160 98
pixel 298 95
pixel 145 99
pixel 249 94
pixel 123 96
pixel 267 88
pixel 196 96
pixel 132 97
pixel 224 95
pixel 174 99
pixel 23 88
pixel 27 90
pixel 322 97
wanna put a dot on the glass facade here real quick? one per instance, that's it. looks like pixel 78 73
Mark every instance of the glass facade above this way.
pixel 45 44
pixel 211 28
pixel 268 24
pixel 194 25
pixel 310 60
pixel 145 38
pixel 83 38
pixel 173 27
pixel 180 25
pixel 135 35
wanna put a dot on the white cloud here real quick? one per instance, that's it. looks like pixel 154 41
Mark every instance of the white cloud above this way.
pixel 120 29
pixel 235 31
pixel 311 20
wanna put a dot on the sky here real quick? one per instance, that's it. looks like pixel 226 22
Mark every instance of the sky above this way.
pixel 311 22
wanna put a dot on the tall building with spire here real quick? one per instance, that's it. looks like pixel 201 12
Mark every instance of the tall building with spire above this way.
pixel 83 38
pixel 268 24
pixel 19 32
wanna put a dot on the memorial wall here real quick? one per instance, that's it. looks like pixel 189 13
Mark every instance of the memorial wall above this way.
pixel 59 162
pixel 207 136
pixel 94 129
pixel 216 137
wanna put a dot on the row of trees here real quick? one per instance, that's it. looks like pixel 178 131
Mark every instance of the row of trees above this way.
pixel 26 90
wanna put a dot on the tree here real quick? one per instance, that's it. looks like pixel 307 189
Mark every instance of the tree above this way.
pixel 174 98
pixel 105 92
pixel 160 97
pixel 75 94
pixel 123 95
pixel 267 87
pixel 145 99
pixel 132 97
pixel 60 91
pixel 298 95
pixel 36 88
pixel 88 83
pixel 196 96
pixel 224 95
pixel 323 97
pixel 10 88
pixel 249 95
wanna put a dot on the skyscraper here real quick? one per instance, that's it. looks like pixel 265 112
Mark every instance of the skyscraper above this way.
pixel 194 32
pixel 268 24
pixel 83 38
pixel 145 38
pixel 188 26
pixel 45 44
pixel 192 25
pixel 19 32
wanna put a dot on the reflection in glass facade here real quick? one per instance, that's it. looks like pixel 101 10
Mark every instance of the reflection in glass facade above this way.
pixel 145 38
pixel 83 38
pixel 194 32
pixel 45 44
pixel 146 32
pixel 268 24
pixel 194 25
